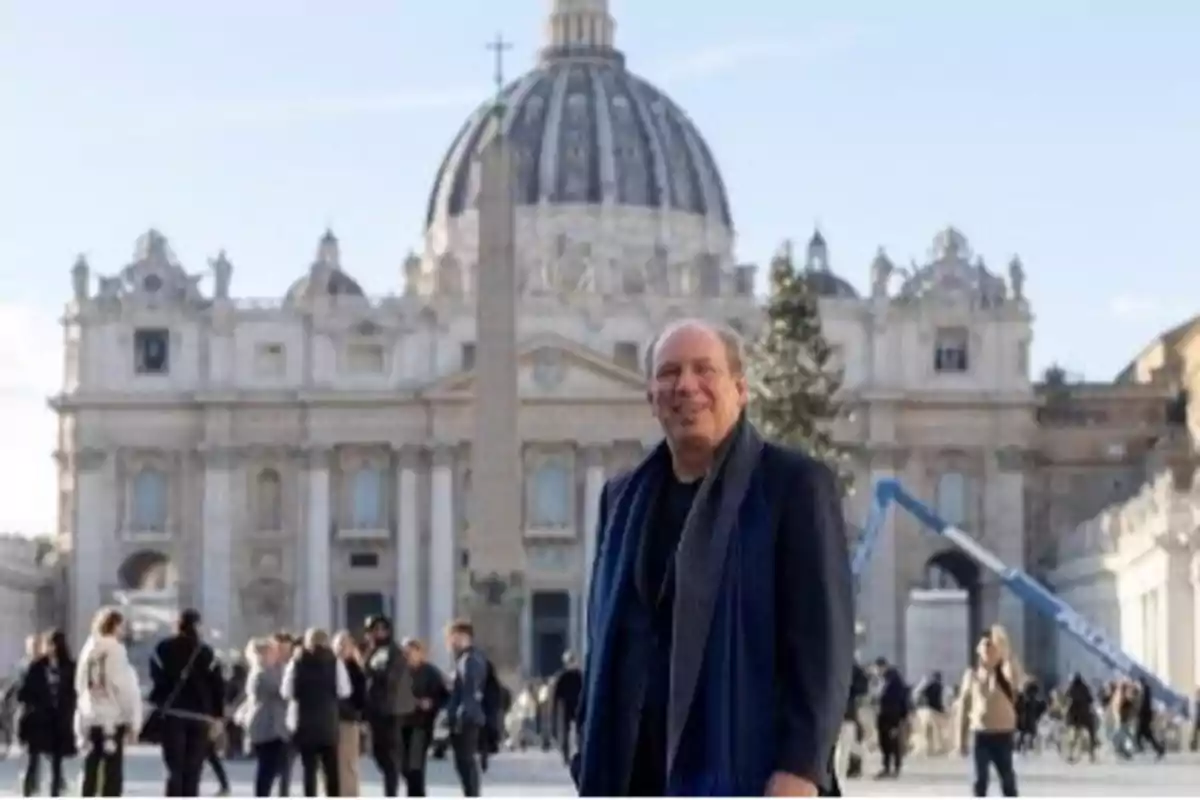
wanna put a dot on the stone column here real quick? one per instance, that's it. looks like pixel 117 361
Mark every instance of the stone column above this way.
pixel 408 549
pixel 442 550
pixel 216 559
pixel 593 485
pixel 317 590
pixel 91 536
pixel 1176 634
pixel 1005 535
pixel 882 598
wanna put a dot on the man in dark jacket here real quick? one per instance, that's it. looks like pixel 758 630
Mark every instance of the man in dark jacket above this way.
pixel 315 683
pixel 389 699
pixel 465 708
pixel 568 685
pixel 429 689
pixel 188 695
pixel 721 609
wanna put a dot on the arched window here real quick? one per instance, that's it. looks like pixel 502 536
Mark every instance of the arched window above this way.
pixel 549 496
pixel 150 501
pixel 952 498
pixel 366 498
pixel 268 494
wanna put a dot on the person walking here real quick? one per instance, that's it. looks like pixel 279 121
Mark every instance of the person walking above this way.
pixel 568 685
pixel 350 715
pixel 47 722
pixel 188 695
pixel 314 684
pixel 988 710
pixel 263 714
pixel 109 712
pixel 430 692
pixel 465 708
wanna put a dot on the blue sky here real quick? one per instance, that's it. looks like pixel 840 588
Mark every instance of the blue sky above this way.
pixel 1067 132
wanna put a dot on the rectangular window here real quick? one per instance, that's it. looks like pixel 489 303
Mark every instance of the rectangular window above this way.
pixel 364 560
pixel 364 359
pixel 743 281
pixel 269 360
pixel 625 354
pixel 950 350
pixel 468 356
pixel 152 351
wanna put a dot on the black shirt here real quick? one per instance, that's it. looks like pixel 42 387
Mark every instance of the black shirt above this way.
pixel 657 592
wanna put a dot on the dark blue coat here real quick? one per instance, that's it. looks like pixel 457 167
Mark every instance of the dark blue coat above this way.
pixel 762 647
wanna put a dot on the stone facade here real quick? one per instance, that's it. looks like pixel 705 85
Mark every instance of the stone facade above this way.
pixel 1122 485
pixel 316 458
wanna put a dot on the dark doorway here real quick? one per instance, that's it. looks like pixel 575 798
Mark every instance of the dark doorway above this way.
pixel 550 617
pixel 359 606
pixel 965 575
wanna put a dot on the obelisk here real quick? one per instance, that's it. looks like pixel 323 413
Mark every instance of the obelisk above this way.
pixel 495 540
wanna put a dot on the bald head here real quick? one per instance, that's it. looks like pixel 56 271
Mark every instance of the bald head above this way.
pixel 731 341
pixel 696 387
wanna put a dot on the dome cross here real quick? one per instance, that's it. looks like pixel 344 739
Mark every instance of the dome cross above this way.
pixel 499 47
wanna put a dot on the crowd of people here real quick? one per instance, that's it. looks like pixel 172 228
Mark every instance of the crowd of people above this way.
pixel 995 713
pixel 320 700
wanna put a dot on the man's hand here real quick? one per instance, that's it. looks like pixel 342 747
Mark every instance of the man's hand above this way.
pixel 785 784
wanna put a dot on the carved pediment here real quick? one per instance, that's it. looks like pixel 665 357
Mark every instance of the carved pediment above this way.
pixel 552 366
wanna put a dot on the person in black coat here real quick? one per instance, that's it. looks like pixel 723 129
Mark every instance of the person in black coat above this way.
pixel 315 683
pixel 188 696
pixel 431 693
pixel 568 685
pixel 46 725
pixel 389 699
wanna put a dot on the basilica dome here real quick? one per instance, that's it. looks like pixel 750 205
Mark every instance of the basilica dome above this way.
pixel 597 149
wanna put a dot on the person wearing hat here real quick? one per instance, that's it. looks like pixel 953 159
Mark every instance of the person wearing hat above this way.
pixel 390 700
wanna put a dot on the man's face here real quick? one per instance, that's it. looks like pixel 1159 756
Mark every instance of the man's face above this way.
pixel 380 634
pixel 694 393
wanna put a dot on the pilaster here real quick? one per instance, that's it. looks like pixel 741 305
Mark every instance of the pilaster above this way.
pixel 92 528
pixel 443 548
pixel 216 552
pixel 408 548
pixel 318 531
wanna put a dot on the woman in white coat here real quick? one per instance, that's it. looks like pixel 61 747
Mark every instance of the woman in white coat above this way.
pixel 109 712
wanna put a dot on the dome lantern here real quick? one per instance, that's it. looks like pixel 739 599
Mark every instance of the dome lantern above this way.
pixel 577 26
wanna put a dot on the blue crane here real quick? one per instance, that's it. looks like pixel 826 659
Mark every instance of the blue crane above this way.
pixel 889 491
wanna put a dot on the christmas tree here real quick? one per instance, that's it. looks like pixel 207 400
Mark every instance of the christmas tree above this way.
pixel 793 376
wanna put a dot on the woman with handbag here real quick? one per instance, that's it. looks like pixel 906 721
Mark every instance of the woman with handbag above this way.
pixel 188 696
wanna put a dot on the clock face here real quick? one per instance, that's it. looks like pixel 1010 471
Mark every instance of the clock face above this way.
pixel 152 283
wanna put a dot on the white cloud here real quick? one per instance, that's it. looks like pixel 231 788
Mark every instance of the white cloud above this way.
pixel 1132 306
pixel 720 59
pixel 30 370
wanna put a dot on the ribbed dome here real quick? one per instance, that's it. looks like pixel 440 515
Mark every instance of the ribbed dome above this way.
pixel 585 130
pixel 827 284
pixel 325 278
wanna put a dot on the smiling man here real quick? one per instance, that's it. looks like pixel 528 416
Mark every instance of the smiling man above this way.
pixel 721 619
